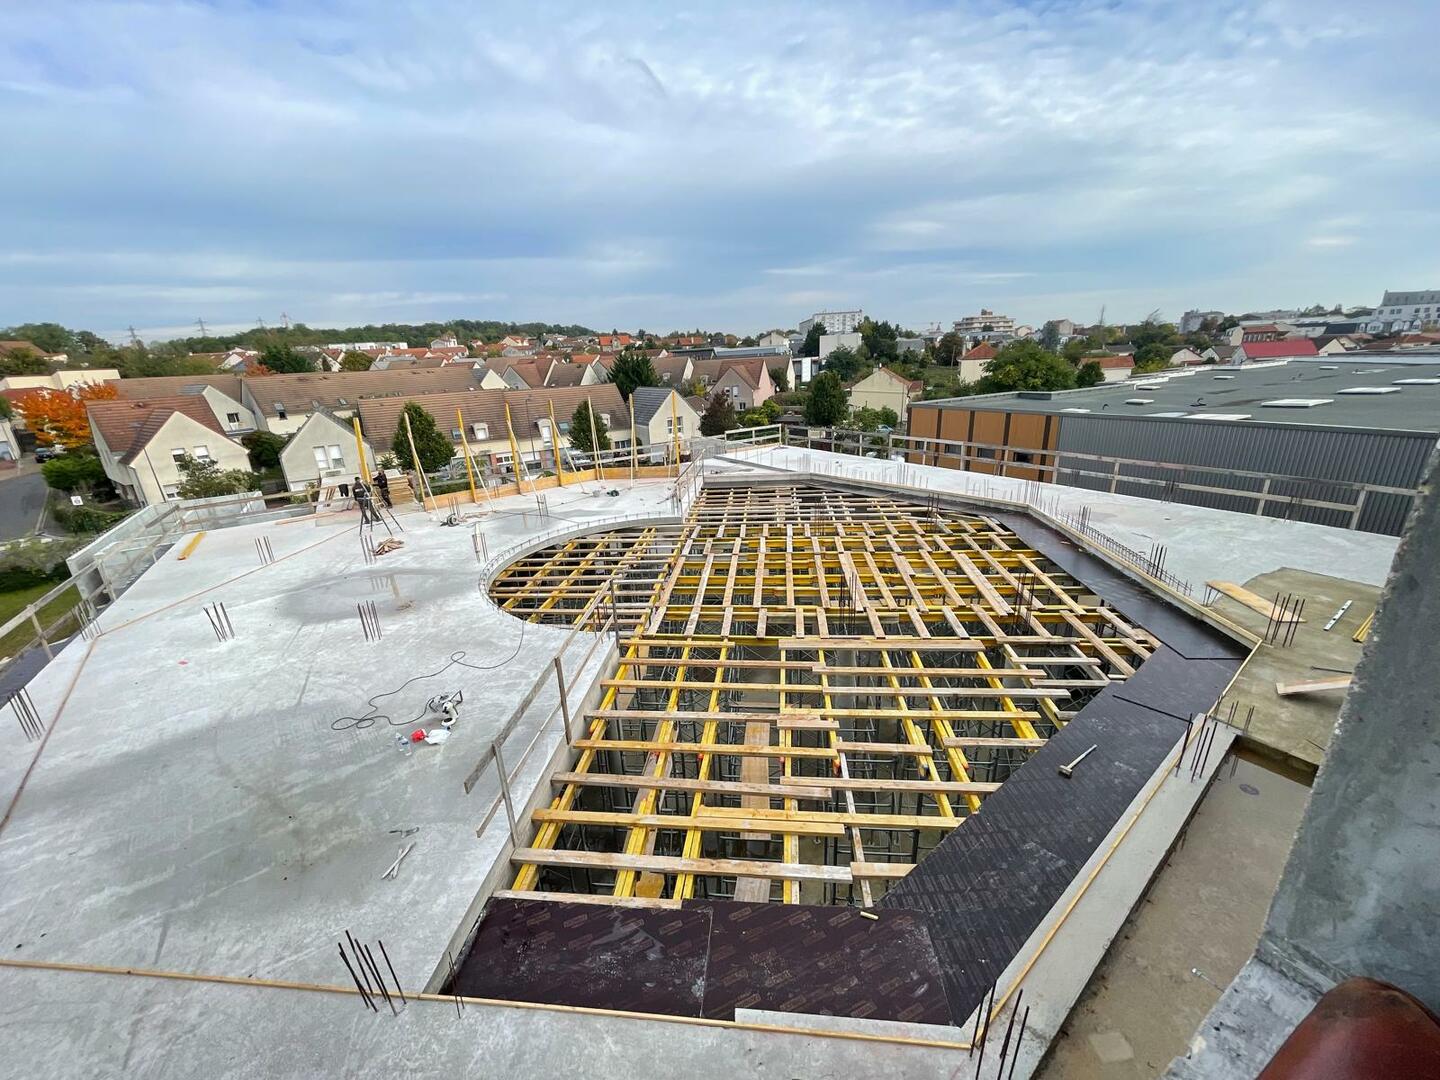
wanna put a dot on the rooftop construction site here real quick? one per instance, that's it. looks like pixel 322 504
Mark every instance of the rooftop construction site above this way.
pixel 777 762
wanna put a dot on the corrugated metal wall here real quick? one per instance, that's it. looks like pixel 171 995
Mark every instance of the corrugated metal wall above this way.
pixel 1316 454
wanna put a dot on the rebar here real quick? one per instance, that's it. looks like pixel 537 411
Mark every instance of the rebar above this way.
pixel 25 714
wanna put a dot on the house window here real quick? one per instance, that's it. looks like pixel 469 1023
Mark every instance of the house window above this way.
pixel 670 428
pixel 201 453
pixel 279 411
pixel 337 459
pixel 233 419
pixel 322 461
pixel 178 454
pixel 482 431
pixel 605 419
pixel 456 433
pixel 1023 458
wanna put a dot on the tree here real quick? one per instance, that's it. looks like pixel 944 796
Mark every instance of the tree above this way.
pixel 846 364
pixel 868 419
pixel 47 337
pixel 633 368
pixel 1024 365
pixel 431 447
pixel 6 410
pixel 355 361
pixel 827 404
pixel 58 417
pixel 280 357
pixel 1090 373
pixel 780 376
pixel 264 447
pixel 20 361
pixel 1152 357
pixel 811 345
pixel 581 436
pixel 719 415
pixel 1050 336
pixel 877 342
pixel 949 348
pixel 204 479
pixel 73 472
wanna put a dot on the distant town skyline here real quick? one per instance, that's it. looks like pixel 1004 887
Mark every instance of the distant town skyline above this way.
pixel 737 168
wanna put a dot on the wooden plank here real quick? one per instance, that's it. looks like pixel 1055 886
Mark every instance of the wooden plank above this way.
pixel 962 741
pixel 672 864
pixel 851 691
pixel 862 820
pixel 190 546
pixel 934 714
pixel 1100 646
pixel 883 748
pixel 1244 596
pixel 586 898
pixel 1314 686
pixel 763 825
pixel 891 871
pixel 787 724
pixel 925 787
pixel 730 749
pixel 680 783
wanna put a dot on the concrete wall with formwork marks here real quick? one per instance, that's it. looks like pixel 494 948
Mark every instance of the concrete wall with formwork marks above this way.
pixel 1361 892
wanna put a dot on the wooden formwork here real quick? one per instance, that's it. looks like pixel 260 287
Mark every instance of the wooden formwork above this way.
pixel 814 686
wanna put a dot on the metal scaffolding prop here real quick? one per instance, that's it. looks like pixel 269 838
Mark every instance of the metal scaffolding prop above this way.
pixel 813 688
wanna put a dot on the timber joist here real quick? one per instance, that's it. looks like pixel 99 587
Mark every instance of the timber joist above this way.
pixel 814 687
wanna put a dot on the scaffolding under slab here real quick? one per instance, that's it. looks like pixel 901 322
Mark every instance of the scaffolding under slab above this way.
pixel 814 687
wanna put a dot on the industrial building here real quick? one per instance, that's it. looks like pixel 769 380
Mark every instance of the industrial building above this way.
pixel 788 764
pixel 1335 442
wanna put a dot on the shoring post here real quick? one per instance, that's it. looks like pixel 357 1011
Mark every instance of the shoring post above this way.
pixel 465 448
pixel 633 440
pixel 594 441
pixel 515 454
pixel 564 701
pixel 360 449
pixel 555 444
pixel 675 431
pixel 415 457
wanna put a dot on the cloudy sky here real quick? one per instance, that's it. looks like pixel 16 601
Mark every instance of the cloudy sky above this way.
pixel 721 165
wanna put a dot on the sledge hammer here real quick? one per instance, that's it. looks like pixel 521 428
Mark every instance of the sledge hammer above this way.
pixel 1068 771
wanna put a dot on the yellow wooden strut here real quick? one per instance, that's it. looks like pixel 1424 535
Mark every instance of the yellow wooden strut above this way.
pixel 515 452
pixel 555 444
pixel 465 446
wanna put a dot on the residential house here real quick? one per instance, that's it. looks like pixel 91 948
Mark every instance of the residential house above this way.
pixel 24 348
pixel 1219 354
pixel 661 415
pixel 59 380
pixel 1281 349
pixel 1398 311
pixel 282 403
pixel 910 344
pixel 1185 357
pixel 1115 368
pixel 775 339
pixel 614 342
pixel 830 342
pixel 141 442
pixel 525 374
pixel 323 452
pixel 222 393
pixel 675 371
pixel 1333 344
pixel 802 370
pixel 1260 332
pixel 885 389
pixel 406 360
pixel 746 383
pixel 482 414
pixel 973 363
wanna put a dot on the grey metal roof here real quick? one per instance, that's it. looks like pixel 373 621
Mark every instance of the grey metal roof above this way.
pixel 1238 393
pixel 648 401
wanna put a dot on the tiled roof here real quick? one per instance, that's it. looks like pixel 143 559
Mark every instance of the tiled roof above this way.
pixel 566 375
pixel 750 371
pixel 342 389
pixel 128 425
pixel 1255 350
pixel 1114 362
pixel 983 351
pixel 379 416
pixel 157 386
pixel 649 400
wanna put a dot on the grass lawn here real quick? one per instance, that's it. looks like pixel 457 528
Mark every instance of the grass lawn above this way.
pixel 12 603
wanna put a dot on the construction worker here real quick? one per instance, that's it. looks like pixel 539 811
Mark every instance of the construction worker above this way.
pixel 368 513
pixel 382 485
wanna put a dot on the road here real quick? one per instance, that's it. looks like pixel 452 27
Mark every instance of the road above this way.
pixel 21 498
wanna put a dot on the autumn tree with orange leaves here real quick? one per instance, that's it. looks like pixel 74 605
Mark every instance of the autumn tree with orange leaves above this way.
pixel 58 417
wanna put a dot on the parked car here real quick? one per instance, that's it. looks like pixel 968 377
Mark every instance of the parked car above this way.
pixel 45 453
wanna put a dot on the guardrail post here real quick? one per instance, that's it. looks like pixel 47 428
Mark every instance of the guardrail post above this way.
pixel 564 701
pixel 505 792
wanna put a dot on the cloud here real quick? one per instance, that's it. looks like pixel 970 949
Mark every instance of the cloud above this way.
pixel 667 165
